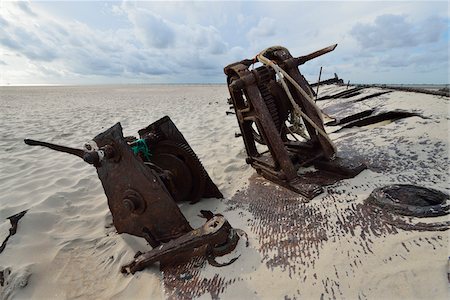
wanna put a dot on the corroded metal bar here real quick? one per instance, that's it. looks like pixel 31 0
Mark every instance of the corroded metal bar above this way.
pixel 216 232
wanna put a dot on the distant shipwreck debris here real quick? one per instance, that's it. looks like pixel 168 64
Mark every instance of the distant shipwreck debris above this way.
pixel 274 107
pixel 142 179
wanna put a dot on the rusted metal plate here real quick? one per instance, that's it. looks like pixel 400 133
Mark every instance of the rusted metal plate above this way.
pixel 138 201
pixel 165 130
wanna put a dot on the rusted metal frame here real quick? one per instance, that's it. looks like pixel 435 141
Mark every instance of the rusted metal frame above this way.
pixel 245 125
pixel 273 139
pixel 264 120
pixel 327 148
pixel 285 60
pixel 237 96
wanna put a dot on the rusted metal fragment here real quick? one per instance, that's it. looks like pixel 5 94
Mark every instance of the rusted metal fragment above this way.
pixel 351 118
pixel 410 200
pixel 14 220
pixel 335 80
pixel 372 96
pixel 441 92
pixel 344 94
pixel 216 233
pixel 382 116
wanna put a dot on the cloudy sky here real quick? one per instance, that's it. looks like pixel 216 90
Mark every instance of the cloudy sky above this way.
pixel 94 42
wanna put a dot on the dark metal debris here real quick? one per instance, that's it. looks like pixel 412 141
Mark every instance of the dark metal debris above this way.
pixel 14 220
pixel 345 94
pixel 372 96
pixel 410 200
pixel 335 80
pixel 215 236
pixel 370 116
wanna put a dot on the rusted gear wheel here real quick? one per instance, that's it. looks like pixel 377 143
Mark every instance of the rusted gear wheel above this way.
pixel 187 175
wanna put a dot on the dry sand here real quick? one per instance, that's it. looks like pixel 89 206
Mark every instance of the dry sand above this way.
pixel 66 247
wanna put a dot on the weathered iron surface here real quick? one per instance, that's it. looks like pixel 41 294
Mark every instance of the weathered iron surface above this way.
pixel 216 233
pixel 164 137
pixel 138 200
pixel 263 108
pixel 142 179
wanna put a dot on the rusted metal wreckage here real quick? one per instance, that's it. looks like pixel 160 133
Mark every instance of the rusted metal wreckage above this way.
pixel 271 102
pixel 143 179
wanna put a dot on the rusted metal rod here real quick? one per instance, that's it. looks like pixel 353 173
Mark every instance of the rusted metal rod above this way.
pixel 318 83
pixel 302 59
pixel 78 152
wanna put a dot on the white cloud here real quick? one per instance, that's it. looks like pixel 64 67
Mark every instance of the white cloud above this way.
pixel 192 42
pixel 264 28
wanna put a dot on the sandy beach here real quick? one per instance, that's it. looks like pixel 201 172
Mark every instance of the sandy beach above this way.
pixel 332 247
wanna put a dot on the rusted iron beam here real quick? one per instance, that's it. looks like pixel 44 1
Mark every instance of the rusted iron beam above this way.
pixel 303 59
pixel 216 233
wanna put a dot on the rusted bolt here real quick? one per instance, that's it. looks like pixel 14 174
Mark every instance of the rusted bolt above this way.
pixel 133 202
pixel 130 204
pixel 109 151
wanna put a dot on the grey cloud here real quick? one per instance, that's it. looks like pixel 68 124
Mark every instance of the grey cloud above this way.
pixel 153 29
pixel 151 46
pixel 28 44
pixel 394 31
pixel 26 8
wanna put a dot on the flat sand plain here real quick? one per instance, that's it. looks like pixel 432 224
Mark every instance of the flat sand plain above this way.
pixel 66 247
